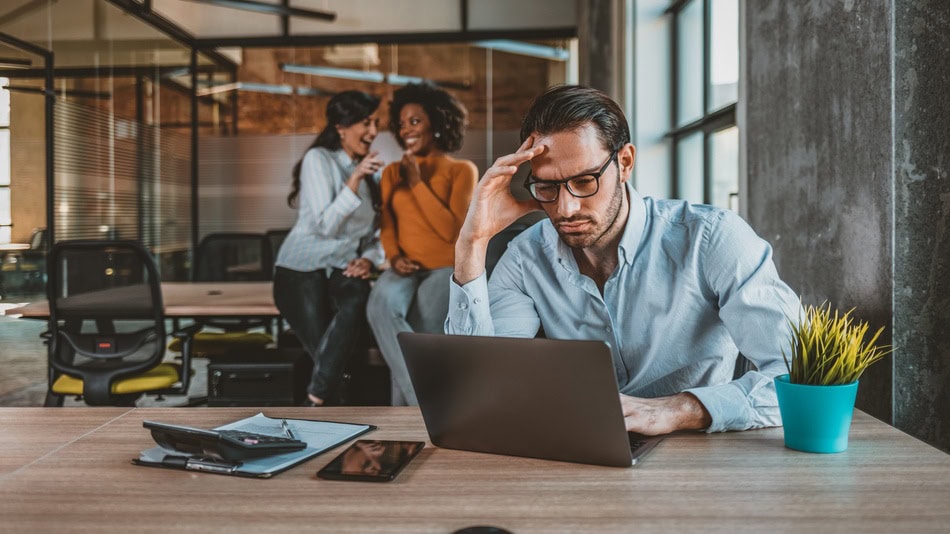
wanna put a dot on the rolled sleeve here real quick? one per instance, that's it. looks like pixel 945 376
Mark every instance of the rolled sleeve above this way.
pixel 743 404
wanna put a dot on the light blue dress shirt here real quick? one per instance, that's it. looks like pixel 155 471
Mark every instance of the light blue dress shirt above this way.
pixel 334 225
pixel 694 287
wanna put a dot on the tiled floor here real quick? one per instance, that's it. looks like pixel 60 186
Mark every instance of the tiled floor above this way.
pixel 23 363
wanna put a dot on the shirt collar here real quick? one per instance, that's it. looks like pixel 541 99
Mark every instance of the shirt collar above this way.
pixel 344 159
pixel 633 231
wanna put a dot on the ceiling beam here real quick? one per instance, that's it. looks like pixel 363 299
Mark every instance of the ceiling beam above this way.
pixel 282 9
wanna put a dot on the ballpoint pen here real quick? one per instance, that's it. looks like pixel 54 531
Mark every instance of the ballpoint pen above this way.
pixel 287 430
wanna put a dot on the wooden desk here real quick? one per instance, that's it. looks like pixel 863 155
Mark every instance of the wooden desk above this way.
pixel 745 481
pixel 196 299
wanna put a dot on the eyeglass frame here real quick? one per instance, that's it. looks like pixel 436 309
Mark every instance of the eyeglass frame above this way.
pixel 566 182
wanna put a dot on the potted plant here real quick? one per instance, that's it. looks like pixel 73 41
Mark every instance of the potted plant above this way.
pixel 828 352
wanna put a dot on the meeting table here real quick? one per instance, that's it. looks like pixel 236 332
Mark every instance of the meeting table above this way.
pixel 69 469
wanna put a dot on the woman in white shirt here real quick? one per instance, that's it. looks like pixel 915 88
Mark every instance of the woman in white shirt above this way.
pixel 321 281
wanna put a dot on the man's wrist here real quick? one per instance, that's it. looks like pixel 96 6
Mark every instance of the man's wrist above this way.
pixel 692 414
pixel 469 259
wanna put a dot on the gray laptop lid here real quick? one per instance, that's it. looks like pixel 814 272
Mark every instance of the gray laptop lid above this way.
pixel 542 398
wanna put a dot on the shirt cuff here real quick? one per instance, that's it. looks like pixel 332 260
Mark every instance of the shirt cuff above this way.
pixel 348 200
pixel 469 310
pixel 727 406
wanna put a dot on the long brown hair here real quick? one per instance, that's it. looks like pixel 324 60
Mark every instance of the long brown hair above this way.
pixel 344 109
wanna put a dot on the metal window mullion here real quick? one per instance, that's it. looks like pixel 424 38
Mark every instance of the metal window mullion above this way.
pixel 674 97
pixel 707 60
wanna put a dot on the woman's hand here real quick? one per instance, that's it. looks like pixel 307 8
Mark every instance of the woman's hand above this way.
pixel 367 166
pixel 404 266
pixel 359 268
pixel 409 169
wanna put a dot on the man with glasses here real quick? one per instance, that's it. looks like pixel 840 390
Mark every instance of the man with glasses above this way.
pixel 676 290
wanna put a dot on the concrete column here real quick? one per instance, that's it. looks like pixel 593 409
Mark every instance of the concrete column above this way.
pixel 600 45
pixel 845 119
pixel 922 219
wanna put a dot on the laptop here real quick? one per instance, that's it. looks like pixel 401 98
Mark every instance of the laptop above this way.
pixel 540 398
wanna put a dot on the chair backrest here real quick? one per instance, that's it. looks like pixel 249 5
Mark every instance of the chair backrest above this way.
pixel 233 257
pixel 106 313
pixel 277 238
pixel 499 244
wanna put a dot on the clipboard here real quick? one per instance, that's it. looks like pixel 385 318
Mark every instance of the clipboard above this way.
pixel 320 437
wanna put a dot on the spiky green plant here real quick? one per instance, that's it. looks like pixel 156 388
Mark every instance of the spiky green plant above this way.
pixel 829 348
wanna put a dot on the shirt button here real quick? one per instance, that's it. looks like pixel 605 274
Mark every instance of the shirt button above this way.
pixel 462 305
pixel 609 329
pixel 477 300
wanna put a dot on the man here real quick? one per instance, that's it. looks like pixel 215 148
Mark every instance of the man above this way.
pixel 676 290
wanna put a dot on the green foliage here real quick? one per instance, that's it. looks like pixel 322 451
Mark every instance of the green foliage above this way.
pixel 828 348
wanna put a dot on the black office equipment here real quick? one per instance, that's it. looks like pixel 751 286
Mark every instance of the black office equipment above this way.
pixel 229 445
pixel 266 377
pixel 319 437
pixel 541 398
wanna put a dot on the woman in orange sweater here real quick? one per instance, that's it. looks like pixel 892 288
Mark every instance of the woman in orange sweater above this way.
pixel 425 199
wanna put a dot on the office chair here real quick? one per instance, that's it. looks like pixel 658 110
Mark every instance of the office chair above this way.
pixel 107 325
pixel 276 238
pixel 499 244
pixel 231 257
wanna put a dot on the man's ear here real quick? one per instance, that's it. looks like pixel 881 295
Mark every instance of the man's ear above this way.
pixel 626 158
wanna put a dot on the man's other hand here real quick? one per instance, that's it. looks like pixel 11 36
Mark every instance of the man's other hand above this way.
pixel 653 417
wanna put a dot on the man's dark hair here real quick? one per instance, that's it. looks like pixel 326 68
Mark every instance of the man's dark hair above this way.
pixel 446 114
pixel 567 107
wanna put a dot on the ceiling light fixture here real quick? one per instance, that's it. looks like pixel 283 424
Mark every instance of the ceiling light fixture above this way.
pixel 525 49
pixel 335 72
pixel 246 86
pixel 15 63
pixel 374 76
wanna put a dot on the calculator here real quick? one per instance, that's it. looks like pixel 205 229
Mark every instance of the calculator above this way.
pixel 227 445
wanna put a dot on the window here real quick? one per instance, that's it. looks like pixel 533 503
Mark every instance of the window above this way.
pixel 5 219
pixel 705 74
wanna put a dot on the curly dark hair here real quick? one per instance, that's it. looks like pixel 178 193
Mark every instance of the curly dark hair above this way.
pixel 446 114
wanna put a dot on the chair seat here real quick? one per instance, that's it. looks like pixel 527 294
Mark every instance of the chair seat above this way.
pixel 160 377
pixel 211 344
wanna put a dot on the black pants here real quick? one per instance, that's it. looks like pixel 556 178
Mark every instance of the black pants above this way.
pixel 328 315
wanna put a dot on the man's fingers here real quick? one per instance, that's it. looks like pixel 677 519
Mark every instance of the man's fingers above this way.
pixel 527 143
pixel 520 157
pixel 504 170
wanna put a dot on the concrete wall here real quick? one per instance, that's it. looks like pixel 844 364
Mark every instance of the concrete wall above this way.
pixel 846 178
pixel 922 219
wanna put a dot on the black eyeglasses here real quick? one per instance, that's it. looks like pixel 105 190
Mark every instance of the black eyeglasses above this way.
pixel 581 186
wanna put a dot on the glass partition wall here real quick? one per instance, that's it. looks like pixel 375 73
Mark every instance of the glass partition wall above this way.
pixel 161 142
pixel 282 96
pixel 122 115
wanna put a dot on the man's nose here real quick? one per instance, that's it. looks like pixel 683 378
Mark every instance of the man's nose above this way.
pixel 373 129
pixel 567 204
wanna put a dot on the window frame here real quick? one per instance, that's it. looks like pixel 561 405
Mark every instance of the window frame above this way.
pixel 6 128
pixel 711 121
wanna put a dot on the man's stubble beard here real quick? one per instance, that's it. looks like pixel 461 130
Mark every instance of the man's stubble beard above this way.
pixel 579 242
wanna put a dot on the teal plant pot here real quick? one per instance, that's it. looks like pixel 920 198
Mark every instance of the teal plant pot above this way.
pixel 816 418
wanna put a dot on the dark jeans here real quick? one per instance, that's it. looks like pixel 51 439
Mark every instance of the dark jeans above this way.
pixel 328 315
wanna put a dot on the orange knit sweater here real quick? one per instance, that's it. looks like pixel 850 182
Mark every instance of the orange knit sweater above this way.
pixel 423 222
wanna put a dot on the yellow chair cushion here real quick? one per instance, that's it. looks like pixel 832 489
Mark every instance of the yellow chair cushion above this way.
pixel 208 344
pixel 160 377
